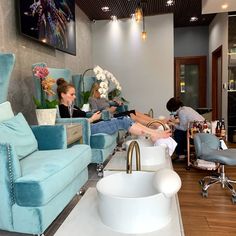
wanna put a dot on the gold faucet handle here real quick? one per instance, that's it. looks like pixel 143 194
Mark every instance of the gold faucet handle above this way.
pixel 151 113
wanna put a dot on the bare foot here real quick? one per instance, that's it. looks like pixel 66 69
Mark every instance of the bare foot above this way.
pixel 160 134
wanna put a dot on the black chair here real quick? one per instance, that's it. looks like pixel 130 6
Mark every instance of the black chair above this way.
pixel 207 147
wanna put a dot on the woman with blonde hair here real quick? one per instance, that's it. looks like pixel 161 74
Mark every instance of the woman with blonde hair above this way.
pixel 97 103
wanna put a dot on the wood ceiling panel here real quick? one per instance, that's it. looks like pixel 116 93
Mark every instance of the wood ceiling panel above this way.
pixel 182 10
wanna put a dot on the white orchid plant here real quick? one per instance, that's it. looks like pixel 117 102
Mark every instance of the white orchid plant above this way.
pixel 104 76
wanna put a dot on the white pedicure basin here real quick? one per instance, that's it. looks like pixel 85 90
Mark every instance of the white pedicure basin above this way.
pixel 139 202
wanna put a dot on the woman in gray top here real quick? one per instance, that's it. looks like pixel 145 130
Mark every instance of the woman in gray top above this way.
pixel 98 104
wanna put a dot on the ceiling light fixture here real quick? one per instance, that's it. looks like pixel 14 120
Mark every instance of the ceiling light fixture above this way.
pixel 132 16
pixel 193 18
pixel 224 6
pixel 169 3
pixel 138 13
pixel 144 33
pixel 114 18
pixel 105 9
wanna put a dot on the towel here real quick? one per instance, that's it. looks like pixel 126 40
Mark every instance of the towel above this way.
pixel 223 145
pixel 167 142
pixel 206 164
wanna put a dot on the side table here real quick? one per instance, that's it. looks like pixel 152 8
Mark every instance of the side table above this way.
pixel 74 133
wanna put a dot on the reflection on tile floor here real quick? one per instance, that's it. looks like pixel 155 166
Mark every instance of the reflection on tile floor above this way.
pixel 93 178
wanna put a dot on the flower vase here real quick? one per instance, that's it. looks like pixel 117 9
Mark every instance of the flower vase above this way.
pixel 46 116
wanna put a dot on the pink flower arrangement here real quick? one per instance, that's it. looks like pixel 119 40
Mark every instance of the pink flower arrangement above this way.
pixel 42 72
pixel 46 83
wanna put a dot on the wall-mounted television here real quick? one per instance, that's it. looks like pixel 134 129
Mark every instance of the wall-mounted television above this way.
pixel 51 22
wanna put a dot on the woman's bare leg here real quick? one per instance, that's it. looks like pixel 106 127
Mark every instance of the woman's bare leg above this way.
pixel 144 119
pixel 140 130
pixel 141 118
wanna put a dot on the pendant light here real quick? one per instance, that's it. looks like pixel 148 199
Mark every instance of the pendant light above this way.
pixel 138 13
pixel 144 33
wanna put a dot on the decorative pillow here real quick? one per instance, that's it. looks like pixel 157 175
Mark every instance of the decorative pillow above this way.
pixel 17 132
pixel 6 112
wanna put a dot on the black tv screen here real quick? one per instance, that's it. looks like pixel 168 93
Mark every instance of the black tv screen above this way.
pixel 49 21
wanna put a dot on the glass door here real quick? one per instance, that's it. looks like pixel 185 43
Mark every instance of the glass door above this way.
pixel 190 81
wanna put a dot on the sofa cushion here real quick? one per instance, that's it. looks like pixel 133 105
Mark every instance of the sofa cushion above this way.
pixel 47 173
pixel 102 141
pixel 17 132
pixel 6 111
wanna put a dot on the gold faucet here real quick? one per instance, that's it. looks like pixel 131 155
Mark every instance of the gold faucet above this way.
pixel 151 113
pixel 158 122
pixel 133 144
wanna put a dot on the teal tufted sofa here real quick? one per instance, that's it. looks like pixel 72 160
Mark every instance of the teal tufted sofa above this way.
pixel 39 175
pixel 102 145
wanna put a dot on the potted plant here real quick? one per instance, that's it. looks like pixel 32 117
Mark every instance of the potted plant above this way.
pixel 45 108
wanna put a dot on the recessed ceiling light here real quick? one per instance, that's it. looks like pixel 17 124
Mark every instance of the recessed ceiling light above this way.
pixel 105 9
pixel 114 18
pixel 224 6
pixel 169 3
pixel 193 18
pixel 132 16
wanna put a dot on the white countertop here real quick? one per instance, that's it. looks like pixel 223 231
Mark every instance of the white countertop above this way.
pixel 85 221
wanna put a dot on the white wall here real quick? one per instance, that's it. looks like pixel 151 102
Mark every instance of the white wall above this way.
pixel 218 35
pixel 144 69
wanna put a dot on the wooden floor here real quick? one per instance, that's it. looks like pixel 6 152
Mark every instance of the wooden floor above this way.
pixel 212 216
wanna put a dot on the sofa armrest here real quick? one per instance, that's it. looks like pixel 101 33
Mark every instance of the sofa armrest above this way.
pixel 85 124
pixel 50 136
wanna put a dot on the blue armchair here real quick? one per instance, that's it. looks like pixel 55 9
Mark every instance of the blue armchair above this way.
pixel 38 176
pixel 7 62
pixel 102 145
